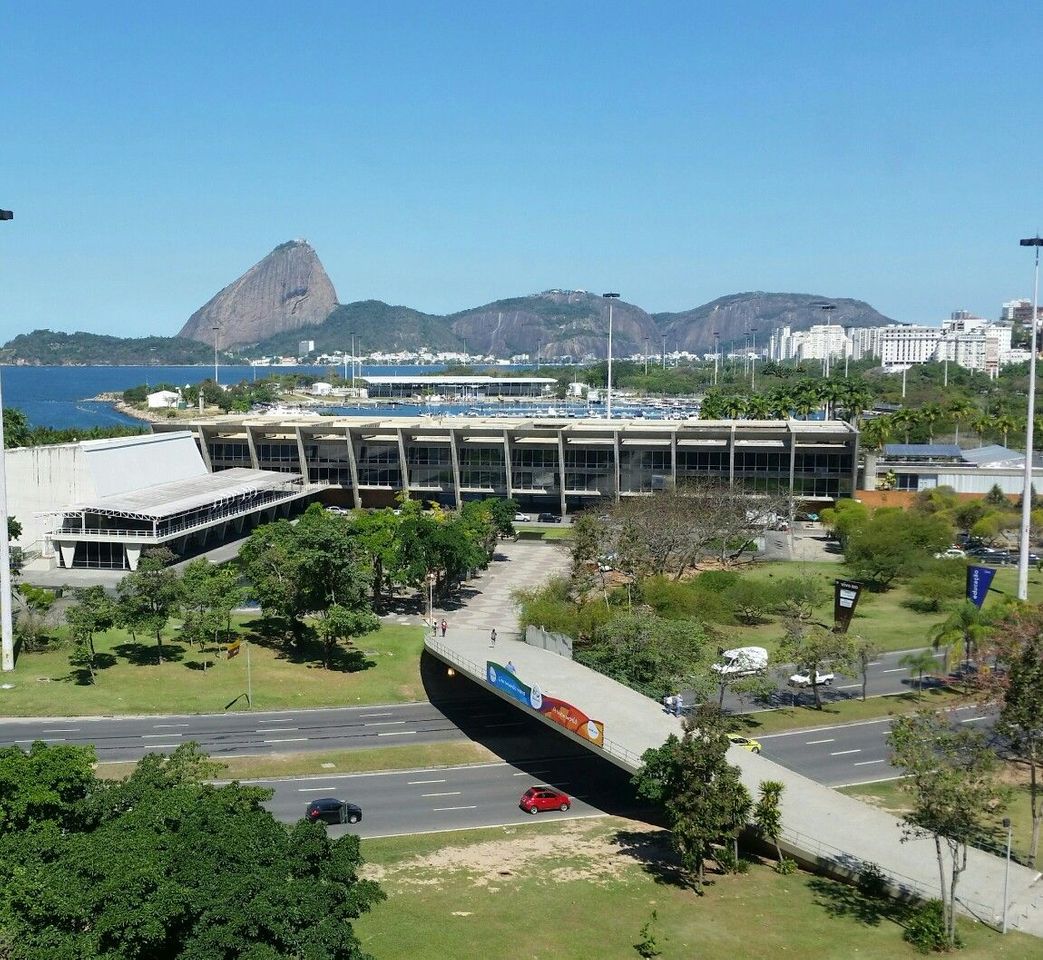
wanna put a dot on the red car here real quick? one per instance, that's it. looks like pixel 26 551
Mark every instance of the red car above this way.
pixel 536 799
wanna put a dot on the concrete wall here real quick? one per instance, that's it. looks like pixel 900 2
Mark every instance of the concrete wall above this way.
pixel 41 479
pixel 558 643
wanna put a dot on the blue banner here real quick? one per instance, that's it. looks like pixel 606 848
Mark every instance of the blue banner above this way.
pixel 979 579
pixel 505 680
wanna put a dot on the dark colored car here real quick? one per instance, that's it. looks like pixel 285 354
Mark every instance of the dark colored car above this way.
pixel 536 799
pixel 332 810
pixel 549 518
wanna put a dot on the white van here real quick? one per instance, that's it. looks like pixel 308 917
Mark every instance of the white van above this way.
pixel 742 662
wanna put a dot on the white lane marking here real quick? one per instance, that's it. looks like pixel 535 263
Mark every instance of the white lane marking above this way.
pixel 874 663
pixel 850 686
pixel 866 763
pixel 156 726
pixel 286 740
pixel 364 716
pixel 158 736
pixel 286 719
pixel 371 773
pixel 473 806
pixel 162 746
pixel 312 789
pixel 866 783
pixel 895 670
pixel 277 730
pixel 384 723
pixel 973 719
pixel 809 743
pixel 43 740
pixel 447 793
pixel 63 730
pixel 841 753
pixel 413 783
pixel 396 733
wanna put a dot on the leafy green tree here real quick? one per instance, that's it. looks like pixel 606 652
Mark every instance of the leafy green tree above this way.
pixel 963 632
pixel 376 532
pixel 797 598
pixel 16 428
pixel 338 624
pixel 208 595
pixel 996 497
pixel 1021 724
pixel 751 600
pixel 147 598
pixel 895 544
pixel 31 625
pixel 45 784
pixel 919 663
pixel 865 651
pixel 954 794
pixel 817 650
pixel 91 612
pixel 932 588
pixel 767 813
pixel 700 792
pixel 845 518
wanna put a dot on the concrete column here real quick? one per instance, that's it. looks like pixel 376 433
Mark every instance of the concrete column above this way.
pixel 204 446
pixel 403 465
pixel 454 454
pixel 302 458
pixel 508 452
pixel 68 552
pixel 792 463
pixel 673 459
pixel 854 465
pixel 133 555
pixel 254 462
pixel 615 461
pixel 353 468
pixel 731 456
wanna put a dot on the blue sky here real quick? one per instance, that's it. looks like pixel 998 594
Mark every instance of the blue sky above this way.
pixel 442 155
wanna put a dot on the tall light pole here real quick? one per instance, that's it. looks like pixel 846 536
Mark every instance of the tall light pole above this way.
pixel 608 393
pixel 1026 490
pixel 1006 875
pixel 753 360
pixel 716 354
pixel 828 307
pixel 664 353
pixel 646 356
pixel 217 329
pixel 847 349
pixel 353 364
pixel 6 629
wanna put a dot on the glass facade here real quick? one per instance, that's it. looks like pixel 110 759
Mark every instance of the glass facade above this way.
pixel 378 465
pixel 590 470
pixel 482 468
pixel 643 471
pixel 534 468
pixel 429 465
pixel 280 455
pixel 225 454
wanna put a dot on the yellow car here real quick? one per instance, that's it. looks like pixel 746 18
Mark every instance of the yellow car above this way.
pixel 745 743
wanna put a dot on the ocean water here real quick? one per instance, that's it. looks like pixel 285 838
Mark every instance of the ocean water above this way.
pixel 60 396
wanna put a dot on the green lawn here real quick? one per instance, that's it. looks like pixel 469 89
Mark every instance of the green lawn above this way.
pixel 888 796
pixel 385 669
pixel 881 617
pixel 583 889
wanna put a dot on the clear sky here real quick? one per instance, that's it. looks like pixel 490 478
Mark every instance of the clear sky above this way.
pixel 443 155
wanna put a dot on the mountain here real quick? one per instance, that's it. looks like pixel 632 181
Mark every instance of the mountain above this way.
pixel 285 291
pixel 733 315
pixel 51 347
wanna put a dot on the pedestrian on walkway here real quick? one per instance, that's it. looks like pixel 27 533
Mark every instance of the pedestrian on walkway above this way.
pixel 492 637
pixel 668 703
pixel 445 626
pixel 511 667
pixel 678 705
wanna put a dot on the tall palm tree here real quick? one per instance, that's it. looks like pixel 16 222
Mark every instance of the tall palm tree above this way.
pixel 875 433
pixel 919 662
pixel 929 415
pixel 758 407
pixel 712 407
pixel 960 410
pixel 981 424
pixel 905 419
pixel 967 627
pixel 734 407
pixel 782 403
pixel 856 397
pixel 1004 423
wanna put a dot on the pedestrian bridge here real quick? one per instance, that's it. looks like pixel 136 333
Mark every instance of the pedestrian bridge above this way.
pixel 822 828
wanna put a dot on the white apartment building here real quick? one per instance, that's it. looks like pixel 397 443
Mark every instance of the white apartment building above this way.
pixel 816 343
pixel 968 341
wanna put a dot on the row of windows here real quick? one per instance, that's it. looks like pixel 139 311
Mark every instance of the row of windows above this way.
pixel 427 456
pixel 481 457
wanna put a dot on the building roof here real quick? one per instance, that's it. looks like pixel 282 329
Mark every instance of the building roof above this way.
pixel 443 381
pixel 994 455
pixel 166 499
pixel 923 451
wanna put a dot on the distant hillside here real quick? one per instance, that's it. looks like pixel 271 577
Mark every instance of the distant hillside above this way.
pixel 50 347
pixel 733 315
pixel 285 291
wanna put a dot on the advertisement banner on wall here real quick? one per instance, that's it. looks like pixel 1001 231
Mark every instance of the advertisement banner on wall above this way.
pixel 561 712
pixel 979 579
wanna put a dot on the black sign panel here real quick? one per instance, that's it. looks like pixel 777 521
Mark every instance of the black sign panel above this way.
pixel 845 599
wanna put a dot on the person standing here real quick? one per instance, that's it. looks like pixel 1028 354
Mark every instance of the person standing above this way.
pixel 445 626
pixel 492 637
pixel 678 705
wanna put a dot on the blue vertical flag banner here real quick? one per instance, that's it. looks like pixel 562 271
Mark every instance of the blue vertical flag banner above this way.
pixel 979 579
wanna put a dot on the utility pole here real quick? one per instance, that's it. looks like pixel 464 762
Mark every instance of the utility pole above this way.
pixel 608 393
pixel 716 354
pixel 646 356
pixel 828 308
pixel 1026 490
pixel 6 626
pixel 664 353
pixel 753 360
pixel 217 330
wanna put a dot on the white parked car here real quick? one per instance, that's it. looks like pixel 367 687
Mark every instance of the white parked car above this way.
pixel 522 518
pixel 742 662
pixel 802 678
pixel 953 553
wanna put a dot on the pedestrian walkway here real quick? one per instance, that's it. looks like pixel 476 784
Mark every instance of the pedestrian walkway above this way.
pixel 821 825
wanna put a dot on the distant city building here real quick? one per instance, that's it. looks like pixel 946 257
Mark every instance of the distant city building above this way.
pixel 305 347
pixel 816 343
pixel 1018 311
pixel 475 387
pixel 912 467
pixel 163 400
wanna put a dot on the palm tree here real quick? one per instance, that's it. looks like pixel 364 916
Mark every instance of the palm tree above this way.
pixel 960 410
pixel 875 433
pixel 966 626
pixel 758 407
pixel 919 662
pixel 981 424
pixel 734 407
pixel 856 397
pixel 905 419
pixel 712 407
pixel 782 404
pixel 1004 423
pixel 831 392
pixel 929 415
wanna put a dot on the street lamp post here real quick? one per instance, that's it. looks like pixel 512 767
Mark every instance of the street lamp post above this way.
pixel 1026 491
pixel 217 330
pixel 1006 875
pixel 753 360
pixel 646 356
pixel 716 354
pixel 664 353
pixel 828 307
pixel 608 393
pixel 6 628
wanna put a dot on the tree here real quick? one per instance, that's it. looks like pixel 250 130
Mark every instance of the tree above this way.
pixel 16 428
pixel 147 597
pixel 919 662
pixel 1021 725
pixel 36 603
pixel 90 613
pixel 700 792
pixel 960 410
pixel 750 600
pixel 933 588
pixel 797 598
pixel 865 652
pixel 164 865
pixel 817 649
pixel 963 632
pixel 845 518
pixel 895 543
pixel 955 797
pixel 44 784
pixel 376 531
pixel 767 814
pixel 338 624
pixel 208 595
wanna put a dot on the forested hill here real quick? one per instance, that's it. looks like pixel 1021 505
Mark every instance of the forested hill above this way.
pixel 76 349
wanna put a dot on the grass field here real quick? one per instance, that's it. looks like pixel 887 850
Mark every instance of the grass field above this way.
pixel 888 796
pixel 885 618
pixel 583 889
pixel 384 669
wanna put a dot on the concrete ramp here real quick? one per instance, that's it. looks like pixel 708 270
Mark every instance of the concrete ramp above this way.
pixel 824 828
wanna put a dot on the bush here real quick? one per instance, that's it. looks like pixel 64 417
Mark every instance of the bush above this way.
pixel 648 946
pixel 731 863
pixel 701 597
pixel 925 928
pixel 786 866
pixel 872 882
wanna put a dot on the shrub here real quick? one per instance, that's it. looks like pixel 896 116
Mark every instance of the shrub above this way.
pixel 872 882
pixel 648 945
pixel 786 866
pixel 925 928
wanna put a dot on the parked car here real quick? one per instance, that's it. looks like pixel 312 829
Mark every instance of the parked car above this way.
pixel 953 553
pixel 332 810
pixel 536 799
pixel 522 518
pixel 336 509
pixel 549 518
pixel 745 743
pixel 802 678
pixel 742 662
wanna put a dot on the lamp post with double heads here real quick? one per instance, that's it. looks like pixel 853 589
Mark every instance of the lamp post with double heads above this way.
pixel 6 628
pixel 1026 490
pixel 828 307
pixel 608 393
